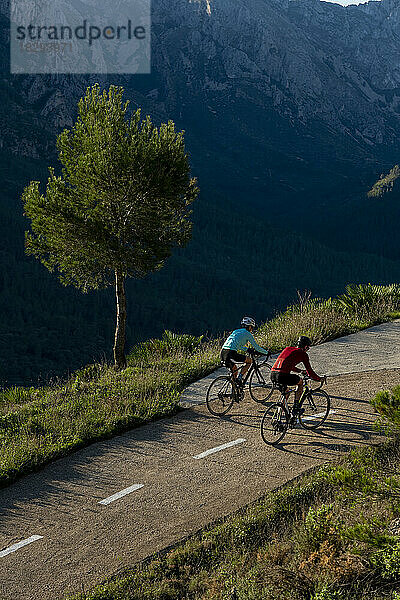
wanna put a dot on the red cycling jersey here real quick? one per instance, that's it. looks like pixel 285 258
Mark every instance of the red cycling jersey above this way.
pixel 289 358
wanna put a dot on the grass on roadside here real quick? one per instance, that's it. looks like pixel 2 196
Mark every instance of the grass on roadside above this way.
pixel 38 425
pixel 333 535
pixel 361 306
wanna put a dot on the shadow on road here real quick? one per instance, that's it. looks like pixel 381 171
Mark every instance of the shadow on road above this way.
pixel 177 437
pixel 333 437
pixel 346 399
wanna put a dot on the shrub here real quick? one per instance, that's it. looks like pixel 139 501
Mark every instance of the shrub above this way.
pixel 387 404
pixel 361 300
pixel 387 561
pixel 170 343
pixel 319 526
pixel 326 593
pixel 318 319
pixel 19 395
pixel 371 533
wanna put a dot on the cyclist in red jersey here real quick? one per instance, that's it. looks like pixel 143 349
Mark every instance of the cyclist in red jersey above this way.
pixel 287 361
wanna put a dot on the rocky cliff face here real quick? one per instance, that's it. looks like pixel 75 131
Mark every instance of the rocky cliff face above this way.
pixel 274 95
pixel 304 59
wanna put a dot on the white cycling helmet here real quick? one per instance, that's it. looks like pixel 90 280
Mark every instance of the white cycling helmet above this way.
pixel 246 321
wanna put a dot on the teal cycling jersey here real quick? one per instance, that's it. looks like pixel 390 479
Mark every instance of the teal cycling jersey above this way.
pixel 240 340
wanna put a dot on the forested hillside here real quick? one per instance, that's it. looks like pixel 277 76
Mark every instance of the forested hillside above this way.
pixel 234 264
pixel 287 129
pixel 368 220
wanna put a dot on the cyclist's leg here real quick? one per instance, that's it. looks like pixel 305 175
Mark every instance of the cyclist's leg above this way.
pixel 232 358
pixel 275 377
pixel 299 391
pixel 246 366
pixel 229 359
pixel 234 368
pixel 284 380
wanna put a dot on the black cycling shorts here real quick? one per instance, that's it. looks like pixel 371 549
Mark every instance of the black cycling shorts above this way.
pixel 284 378
pixel 228 357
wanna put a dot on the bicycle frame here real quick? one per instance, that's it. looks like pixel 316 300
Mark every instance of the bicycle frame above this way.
pixel 306 390
pixel 278 417
pixel 225 389
pixel 253 367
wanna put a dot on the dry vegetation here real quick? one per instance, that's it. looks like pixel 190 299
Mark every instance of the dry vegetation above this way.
pixel 38 425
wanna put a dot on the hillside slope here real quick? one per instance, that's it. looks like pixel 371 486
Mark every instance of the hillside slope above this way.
pixel 289 120
pixel 232 265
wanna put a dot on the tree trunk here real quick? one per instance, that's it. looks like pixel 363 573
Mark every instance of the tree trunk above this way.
pixel 120 329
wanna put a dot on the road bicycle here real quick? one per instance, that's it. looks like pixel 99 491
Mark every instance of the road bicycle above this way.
pixel 224 391
pixel 311 411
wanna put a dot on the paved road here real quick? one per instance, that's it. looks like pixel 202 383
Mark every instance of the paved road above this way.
pixel 80 541
pixel 369 350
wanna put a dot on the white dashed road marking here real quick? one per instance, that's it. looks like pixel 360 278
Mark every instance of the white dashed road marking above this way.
pixel 219 448
pixel 19 545
pixel 312 417
pixel 122 493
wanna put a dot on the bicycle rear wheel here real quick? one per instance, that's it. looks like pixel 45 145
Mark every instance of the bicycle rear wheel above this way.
pixel 316 407
pixel 220 396
pixel 260 384
pixel 274 424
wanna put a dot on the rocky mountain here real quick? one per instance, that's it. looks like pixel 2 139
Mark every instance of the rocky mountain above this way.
pixel 281 100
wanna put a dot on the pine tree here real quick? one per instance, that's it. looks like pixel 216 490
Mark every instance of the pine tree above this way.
pixel 120 206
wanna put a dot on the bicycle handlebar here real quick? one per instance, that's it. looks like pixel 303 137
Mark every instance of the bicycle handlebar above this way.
pixel 253 352
pixel 322 382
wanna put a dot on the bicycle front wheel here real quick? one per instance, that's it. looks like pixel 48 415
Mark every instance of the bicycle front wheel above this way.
pixel 220 396
pixel 274 424
pixel 316 407
pixel 260 384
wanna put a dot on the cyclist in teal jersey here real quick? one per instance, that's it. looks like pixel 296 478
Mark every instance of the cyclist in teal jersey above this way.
pixel 239 342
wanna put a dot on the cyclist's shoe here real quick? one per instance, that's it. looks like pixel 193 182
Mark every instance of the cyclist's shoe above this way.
pixel 239 394
pixel 278 426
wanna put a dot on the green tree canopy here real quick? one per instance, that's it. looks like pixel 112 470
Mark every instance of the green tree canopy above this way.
pixel 121 204
pixel 385 183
